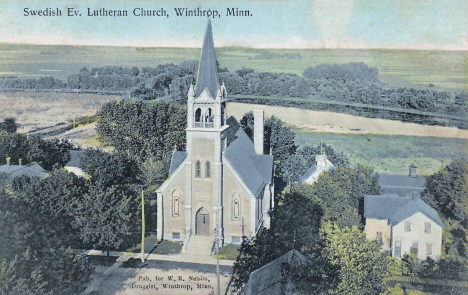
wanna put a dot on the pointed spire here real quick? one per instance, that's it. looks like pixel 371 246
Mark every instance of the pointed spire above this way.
pixel 207 76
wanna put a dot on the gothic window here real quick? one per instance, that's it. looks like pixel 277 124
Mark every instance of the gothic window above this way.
pixel 198 169
pixel 207 169
pixel 198 115
pixel 235 206
pixel 208 115
pixel 175 204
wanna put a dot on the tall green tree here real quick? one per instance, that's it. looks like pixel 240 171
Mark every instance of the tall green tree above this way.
pixel 362 268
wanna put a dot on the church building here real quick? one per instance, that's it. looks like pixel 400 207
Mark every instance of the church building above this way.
pixel 222 185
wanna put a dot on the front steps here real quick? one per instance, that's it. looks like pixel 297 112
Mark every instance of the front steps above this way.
pixel 199 245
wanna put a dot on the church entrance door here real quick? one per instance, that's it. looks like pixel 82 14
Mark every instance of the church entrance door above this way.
pixel 202 222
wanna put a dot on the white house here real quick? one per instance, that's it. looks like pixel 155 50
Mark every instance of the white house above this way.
pixel 400 224
pixel 322 164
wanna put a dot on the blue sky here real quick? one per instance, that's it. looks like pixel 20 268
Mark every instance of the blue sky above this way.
pixel 415 24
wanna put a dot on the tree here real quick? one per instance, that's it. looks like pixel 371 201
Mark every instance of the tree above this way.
pixel 295 224
pixel 107 169
pixel 9 125
pixel 106 216
pixel 362 268
pixel 446 192
pixel 36 215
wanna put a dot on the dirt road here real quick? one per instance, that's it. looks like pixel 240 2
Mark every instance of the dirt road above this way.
pixel 322 121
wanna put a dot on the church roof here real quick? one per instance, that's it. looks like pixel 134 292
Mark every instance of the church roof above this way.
pixel 254 170
pixel 396 209
pixel 207 76
pixel 268 279
pixel 177 158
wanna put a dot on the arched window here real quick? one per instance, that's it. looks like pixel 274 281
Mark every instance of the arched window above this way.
pixel 235 206
pixel 197 169
pixel 198 115
pixel 175 204
pixel 207 169
pixel 208 115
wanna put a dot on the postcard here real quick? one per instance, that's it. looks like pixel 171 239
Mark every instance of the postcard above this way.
pixel 234 147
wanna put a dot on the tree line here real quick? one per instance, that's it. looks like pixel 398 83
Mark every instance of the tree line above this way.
pixel 351 83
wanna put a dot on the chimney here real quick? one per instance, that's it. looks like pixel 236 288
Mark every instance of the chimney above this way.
pixel 8 161
pixel 258 131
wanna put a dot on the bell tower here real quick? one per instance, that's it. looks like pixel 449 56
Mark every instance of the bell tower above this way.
pixel 206 126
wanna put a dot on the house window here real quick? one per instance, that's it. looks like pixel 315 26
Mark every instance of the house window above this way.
pixel 414 247
pixel 379 238
pixel 235 206
pixel 407 226
pixel 175 204
pixel 176 236
pixel 427 227
pixel 236 240
pixel 397 248
pixel 428 249
pixel 207 169
pixel 198 169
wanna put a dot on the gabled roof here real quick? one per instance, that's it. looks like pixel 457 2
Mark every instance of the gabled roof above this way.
pixel 207 76
pixel 12 171
pixel 254 170
pixel 414 206
pixel 314 169
pixel 75 158
pixel 267 279
pixel 401 181
pixel 396 209
pixel 178 158
pixel 403 185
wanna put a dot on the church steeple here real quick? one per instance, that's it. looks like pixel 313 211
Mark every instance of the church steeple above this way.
pixel 207 76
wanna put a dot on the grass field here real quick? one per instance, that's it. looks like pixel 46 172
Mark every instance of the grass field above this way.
pixel 391 153
pixel 447 70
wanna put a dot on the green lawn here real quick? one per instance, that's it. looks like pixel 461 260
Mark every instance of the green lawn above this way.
pixel 391 153
pixel 398 68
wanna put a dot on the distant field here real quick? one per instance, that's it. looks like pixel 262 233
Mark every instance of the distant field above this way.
pixel 40 110
pixel 447 70
pixel 391 153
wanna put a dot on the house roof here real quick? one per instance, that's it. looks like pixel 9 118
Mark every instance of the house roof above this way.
pixel 402 185
pixel 314 169
pixel 401 181
pixel 267 279
pixel 12 171
pixel 177 158
pixel 207 76
pixel 396 209
pixel 75 158
pixel 254 170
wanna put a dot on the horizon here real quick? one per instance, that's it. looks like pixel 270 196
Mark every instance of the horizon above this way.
pixel 281 24
pixel 243 47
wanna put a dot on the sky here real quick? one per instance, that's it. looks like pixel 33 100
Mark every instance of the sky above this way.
pixel 400 24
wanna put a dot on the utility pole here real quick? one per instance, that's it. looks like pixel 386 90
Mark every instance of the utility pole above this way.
pixel 217 258
pixel 142 227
